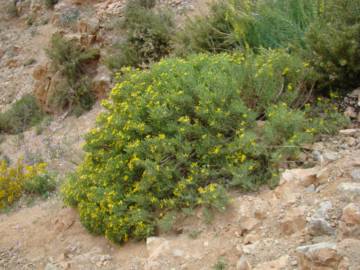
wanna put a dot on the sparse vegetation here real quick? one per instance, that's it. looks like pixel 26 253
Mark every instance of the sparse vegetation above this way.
pixel 220 264
pixel 148 36
pixel 23 114
pixel 40 185
pixel 71 60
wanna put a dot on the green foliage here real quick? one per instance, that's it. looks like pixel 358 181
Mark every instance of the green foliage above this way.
pixel 71 60
pixel 177 135
pixel 23 114
pixel 334 45
pixel 148 36
pixel 210 33
pixel 249 24
pixel 40 185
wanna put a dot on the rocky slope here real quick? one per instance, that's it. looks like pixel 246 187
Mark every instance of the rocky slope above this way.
pixel 310 221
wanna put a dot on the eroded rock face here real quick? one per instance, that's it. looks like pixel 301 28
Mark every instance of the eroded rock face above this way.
pixel 321 256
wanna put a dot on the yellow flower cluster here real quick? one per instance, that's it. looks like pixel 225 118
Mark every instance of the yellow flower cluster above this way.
pixel 12 180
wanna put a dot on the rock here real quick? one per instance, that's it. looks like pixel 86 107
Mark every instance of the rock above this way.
pixel 51 266
pixel 323 175
pixel 102 82
pixel 350 112
pixel 89 26
pixel 250 249
pixel 321 256
pixel 349 132
pixel 154 245
pixel 279 264
pixel 243 264
pixel 331 156
pixel 318 223
pixel 352 189
pixel 252 238
pixel 293 222
pixel 178 253
pixel 349 248
pixel 355 175
pixel 247 224
pixel 350 221
pixel 303 177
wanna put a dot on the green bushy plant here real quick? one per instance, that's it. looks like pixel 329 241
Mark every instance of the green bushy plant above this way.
pixel 41 185
pixel 23 114
pixel 178 135
pixel 209 33
pixel 71 60
pixel 148 36
pixel 249 24
pixel 334 45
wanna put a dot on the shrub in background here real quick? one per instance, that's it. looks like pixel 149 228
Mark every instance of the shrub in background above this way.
pixel 209 33
pixel 23 114
pixel 14 179
pixel 40 185
pixel 148 36
pixel 249 24
pixel 334 45
pixel 71 60
pixel 178 135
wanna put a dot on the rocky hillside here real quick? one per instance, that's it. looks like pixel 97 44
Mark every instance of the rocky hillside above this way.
pixel 310 221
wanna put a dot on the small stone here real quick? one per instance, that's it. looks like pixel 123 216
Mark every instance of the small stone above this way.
pixel 350 112
pixel 249 249
pixel 251 238
pixel 303 177
pixel 247 224
pixel 310 188
pixel 331 156
pixel 50 266
pixel 350 188
pixel 243 264
pixel 178 253
pixel 355 175
pixel 349 132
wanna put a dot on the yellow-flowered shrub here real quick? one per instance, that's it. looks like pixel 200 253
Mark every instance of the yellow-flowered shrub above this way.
pixel 178 135
pixel 13 179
